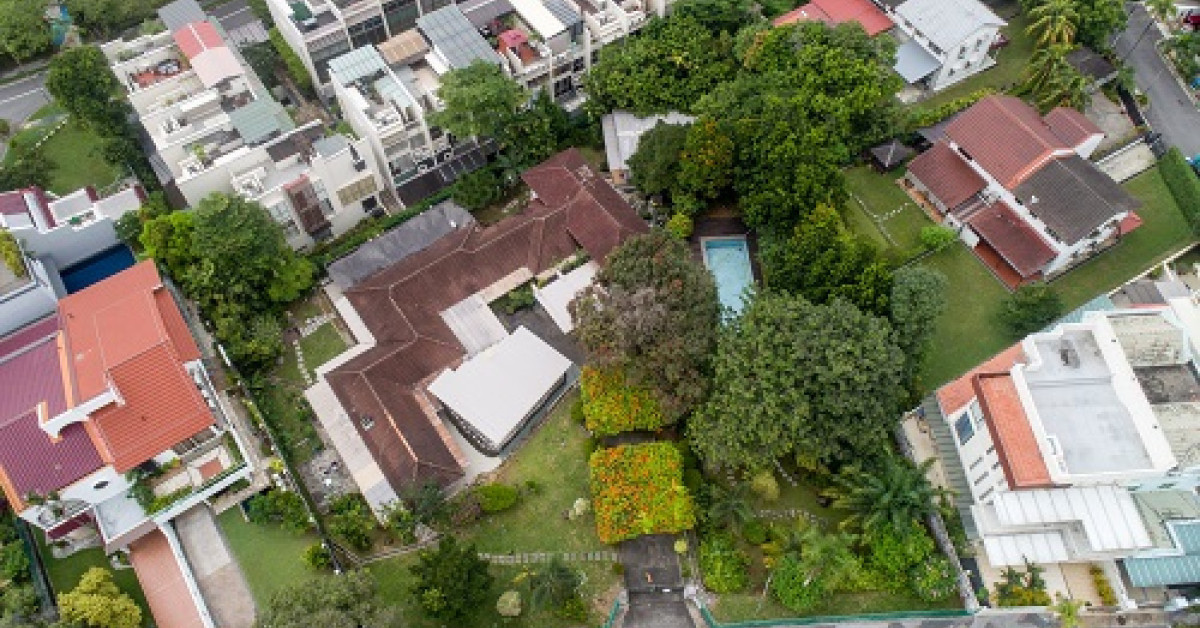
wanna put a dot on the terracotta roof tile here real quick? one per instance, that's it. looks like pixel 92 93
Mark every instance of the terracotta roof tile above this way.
pixel 1017 242
pixel 162 581
pixel 1071 126
pixel 1006 137
pixel 1016 446
pixel 402 306
pixel 955 395
pixel 834 12
pixel 946 174
pixel 196 37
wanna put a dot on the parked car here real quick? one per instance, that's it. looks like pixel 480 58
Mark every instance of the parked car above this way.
pixel 1192 19
pixel 1196 164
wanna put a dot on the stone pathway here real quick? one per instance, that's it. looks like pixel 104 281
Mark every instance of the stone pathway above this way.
pixel 314 323
pixel 785 513
pixel 530 558
pixel 308 378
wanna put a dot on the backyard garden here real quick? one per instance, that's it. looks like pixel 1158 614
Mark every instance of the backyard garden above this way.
pixel 71 150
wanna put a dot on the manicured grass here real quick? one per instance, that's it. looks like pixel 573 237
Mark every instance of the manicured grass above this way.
pixel 1010 63
pixel 74 153
pixel 47 110
pixel 396 582
pixel 555 459
pixel 880 210
pixel 65 573
pixel 271 557
pixel 321 346
pixel 748 606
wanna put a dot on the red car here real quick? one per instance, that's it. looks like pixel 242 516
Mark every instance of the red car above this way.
pixel 1192 18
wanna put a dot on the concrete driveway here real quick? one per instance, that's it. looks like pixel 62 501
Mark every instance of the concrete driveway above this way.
pixel 217 573
pixel 1171 113
pixel 655 583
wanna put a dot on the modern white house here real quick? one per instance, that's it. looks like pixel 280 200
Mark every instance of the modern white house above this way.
pixel 1080 447
pixel 941 42
pixel 211 126
pixel 1019 189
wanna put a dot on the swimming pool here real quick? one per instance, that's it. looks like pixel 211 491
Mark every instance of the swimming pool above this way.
pixel 728 259
pixel 97 268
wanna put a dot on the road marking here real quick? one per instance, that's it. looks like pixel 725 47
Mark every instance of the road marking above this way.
pixel 24 94
pixel 27 78
pixel 225 17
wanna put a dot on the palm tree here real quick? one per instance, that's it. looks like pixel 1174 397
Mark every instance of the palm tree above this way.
pixel 1067 610
pixel 826 556
pixel 1054 22
pixel 730 507
pixel 1050 81
pixel 1162 10
pixel 554 585
pixel 895 494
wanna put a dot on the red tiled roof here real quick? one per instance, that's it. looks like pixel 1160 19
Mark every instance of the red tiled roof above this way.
pixel 1017 242
pixel 162 581
pixel 402 306
pixel 946 174
pixel 196 37
pixel 127 332
pixel 14 204
pixel 834 12
pixel 31 377
pixel 1129 223
pixel 958 393
pixel 1016 446
pixel 1071 126
pixel 1006 137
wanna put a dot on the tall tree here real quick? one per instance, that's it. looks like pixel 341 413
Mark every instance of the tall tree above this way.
pixel 918 301
pixel 480 100
pixel 820 382
pixel 654 312
pixel 23 29
pixel 80 81
pixel 1051 81
pixel 715 15
pixel 655 165
pixel 1029 309
pixel 554 584
pixel 824 563
pixel 99 17
pixel 351 600
pixel 452 581
pixel 706 160
pixel 1162 10
pixel 1098 21
pixel 96 602
pixel 893 494
pixel 1054 22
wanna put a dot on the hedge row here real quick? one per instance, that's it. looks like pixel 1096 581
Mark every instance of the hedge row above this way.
pixel 926 117
pixel 638 489
pixel 611 405
pixel 369 229
pixel 1184 185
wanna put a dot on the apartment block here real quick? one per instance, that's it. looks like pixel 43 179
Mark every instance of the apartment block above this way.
pixel 211 126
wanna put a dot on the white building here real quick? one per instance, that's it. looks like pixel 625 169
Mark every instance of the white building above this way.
pixel 1067 446
pixel 213 127
pixel 942 42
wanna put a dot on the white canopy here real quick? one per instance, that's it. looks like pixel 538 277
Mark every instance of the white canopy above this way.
pixel 555 297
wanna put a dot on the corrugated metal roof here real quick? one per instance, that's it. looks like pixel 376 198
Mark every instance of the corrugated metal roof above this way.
pixel 563 12
pixel 947 23
pixel 456 38
pixel 357 64
pixel 1015 549
pixel 259 119
pixel 1108 514
pixel 179 13
pixel 1170 570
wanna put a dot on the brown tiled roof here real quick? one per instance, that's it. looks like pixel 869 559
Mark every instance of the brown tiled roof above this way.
pixel 1073 197
pixel 1016 446
pixel 1006 137
pixel 1071 126
pixel 402 306
pixel 1017 242
pixel 958 393
pixel 946 174
pixel 834 12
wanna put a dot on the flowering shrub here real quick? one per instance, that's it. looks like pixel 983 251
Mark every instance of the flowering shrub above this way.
pixel 638 489
pixel 611 405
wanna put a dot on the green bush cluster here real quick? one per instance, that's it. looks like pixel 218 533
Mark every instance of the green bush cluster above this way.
pixel 612 405
pixel 352 521
pixel 284 508
pixel 725 567
pixel 1103 588
pixel 295 67
pixel 517 299
pixel 926 117
pixel 1183 184
pixel 496 497
pixel 317 557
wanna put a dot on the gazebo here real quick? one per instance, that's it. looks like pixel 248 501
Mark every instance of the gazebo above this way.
pixel 889 155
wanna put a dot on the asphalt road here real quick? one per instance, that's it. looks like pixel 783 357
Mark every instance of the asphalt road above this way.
pixel 233 14
pixel 1171 113
pixel 18 100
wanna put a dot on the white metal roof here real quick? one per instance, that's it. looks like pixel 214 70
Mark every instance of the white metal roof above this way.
pixel 1015 549
pixel 947 23
pixel 538 17
pixel 1108 514
pixel 913 62
pixel 474 324
pixel 555 297
pixel 623 131
pixel 496 390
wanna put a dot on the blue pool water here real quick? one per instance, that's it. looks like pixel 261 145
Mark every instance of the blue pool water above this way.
pixel 97 268
pixel 728 259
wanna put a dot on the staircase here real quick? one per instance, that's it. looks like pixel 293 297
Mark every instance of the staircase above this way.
pixel 956 477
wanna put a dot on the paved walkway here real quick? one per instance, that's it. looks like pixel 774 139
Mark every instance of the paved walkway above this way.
pixel 532 558
pixel 217 573
pixel 655 583
pixel 1171 112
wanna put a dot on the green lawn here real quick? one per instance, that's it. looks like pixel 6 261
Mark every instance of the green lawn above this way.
pixel 881 211
pixel 65 573
pixel 1010 63
pixel 321 346
pixel 48 110
pixel 73 152
pixel 737 607
pixel 271 557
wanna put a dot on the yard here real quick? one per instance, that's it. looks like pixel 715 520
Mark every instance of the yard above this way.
pixel 740 607
pixel 271 557
pixel 73 152
pixel 1010 64
pixel 883 213
pixel 64 573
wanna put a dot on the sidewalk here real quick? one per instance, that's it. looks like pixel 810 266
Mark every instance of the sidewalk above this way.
pixel 23 71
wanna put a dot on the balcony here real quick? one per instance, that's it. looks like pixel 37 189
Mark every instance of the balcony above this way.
pixel 207 463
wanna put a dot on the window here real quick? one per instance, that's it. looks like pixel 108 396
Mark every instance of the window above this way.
pixel 964 428
pixel 979 480
pixel 996 466
pixel 975 465
pixel 987 493
pixel 976 411
pixel 991 450
pixel 366 422
pixel 962 52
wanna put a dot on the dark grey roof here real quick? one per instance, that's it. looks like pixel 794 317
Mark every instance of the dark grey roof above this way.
pixel 891 154
pixel 1073 197
pixel 455 37
pixel 410 237
pixel 180 12
pixel 935 132
pixel 1090 64
pixel 481 12
pixel 563 12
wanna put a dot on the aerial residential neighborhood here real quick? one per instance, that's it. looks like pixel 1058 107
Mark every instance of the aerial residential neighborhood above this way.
pixel 598 313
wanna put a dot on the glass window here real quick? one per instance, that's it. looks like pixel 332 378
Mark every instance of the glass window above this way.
pixel 964 427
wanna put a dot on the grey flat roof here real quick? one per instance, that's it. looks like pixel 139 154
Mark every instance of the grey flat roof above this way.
pixel 391 247
pixel 913 62
pixel 180 12
pixel 455 37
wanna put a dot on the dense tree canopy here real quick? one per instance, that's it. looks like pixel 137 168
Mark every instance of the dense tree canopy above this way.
pixel 819 382
pixel 347 601
pixel 96 602
pixel 653 311
pixel 715 15
pixel 80 81
pixel 23 32
pixel 452 581
pixel 893 493
pixel 655 165
pixel 480 100
pixel 918 301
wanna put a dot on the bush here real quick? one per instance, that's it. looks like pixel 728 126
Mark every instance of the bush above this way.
pixel 765 486
pixel 509 604
pixel 1107 596
pixel 1030 309
pixel 574 609
pixel 926 117
pixel 755 532
pixel 317 557
pixel 352 520
pixel 496 497
pixel 14 563
pixel 894 553
pixel 612 405
pixel 792 586
pixel 725 567
pixel 20 600
pixel 518 299
pixel 478 189
pixel 403 523
pixel 937 237
pixel 577 414
pixel 466 509
pixel 680 226
pixel 295 67
pixel 638 489
pixel 10 253
pixel 934 580
pixel 1181 180
pixel 5 127
pixel 284 508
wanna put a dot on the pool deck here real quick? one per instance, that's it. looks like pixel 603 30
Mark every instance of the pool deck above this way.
pixel 714 225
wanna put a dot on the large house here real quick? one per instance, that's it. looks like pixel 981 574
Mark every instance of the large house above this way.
pixel 56 236
pixel 436 380
pixel 941 42
pixel 211 126
pixel 1019 188
pixel 110 427
pixel 834 12
pixel 1080 446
